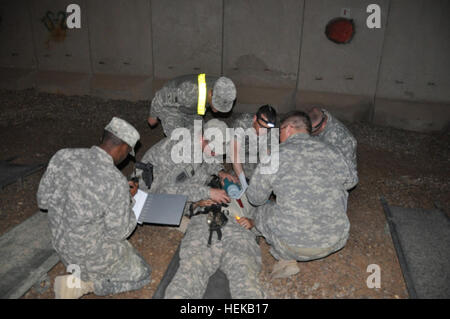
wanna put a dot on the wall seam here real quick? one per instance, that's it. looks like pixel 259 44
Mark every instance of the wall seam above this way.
pixel 151 42
pixel 294 96
pixel 33 38
pixel 372 108
pixel 223 38
pixel 89 43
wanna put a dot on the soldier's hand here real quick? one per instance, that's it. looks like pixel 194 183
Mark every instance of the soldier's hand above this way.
pixel 203 203
pixel 246 222
pixel 152 121
pixel 218 195
pixel 230 177
pixel 133 188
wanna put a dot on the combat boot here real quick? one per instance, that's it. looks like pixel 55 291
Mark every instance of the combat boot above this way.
pixel 284 268
pixel 62 290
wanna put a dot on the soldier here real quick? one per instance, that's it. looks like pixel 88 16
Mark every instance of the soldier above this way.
pixel 89 204
pixel 327 128
pixel 308 219
pixel 236 253
pixel 189 178
pixel 255 125
pixel 183 99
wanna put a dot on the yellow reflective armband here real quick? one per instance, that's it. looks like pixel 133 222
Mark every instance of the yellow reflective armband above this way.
pixel 201 106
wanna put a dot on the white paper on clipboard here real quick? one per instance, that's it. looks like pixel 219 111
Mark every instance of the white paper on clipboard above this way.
pixel 139 199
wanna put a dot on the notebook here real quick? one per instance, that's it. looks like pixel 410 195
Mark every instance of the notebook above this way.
pixel 165 209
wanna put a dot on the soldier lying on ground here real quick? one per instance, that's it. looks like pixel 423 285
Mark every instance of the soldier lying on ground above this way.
pixel 216 242
pixel 89 204
pixel 308 220
pixel 176 104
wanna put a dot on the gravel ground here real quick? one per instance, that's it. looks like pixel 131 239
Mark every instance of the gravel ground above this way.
pixel 410 169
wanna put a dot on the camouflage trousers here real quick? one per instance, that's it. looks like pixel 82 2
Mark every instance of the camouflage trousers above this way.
pixel 279 249
pixel 130 272
pixel 172 118
pixel 237 255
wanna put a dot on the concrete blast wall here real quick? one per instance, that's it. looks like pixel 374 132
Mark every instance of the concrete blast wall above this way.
pixel 276 51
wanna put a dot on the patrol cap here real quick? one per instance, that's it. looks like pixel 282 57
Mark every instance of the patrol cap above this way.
pixel 224 93
pixel 125 131
pixel 218 145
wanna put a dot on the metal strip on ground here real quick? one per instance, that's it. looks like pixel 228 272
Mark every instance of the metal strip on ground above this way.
pixel 26 255
pixel 10 172
pixel 422 241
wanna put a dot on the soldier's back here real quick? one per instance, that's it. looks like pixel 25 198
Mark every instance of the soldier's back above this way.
pixel 85 182
pixel 309 192
pixel 338 135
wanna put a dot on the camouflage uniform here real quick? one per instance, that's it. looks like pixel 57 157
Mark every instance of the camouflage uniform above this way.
pixel 237 255
pixel 245 121
pixel 189 179
pixel 308 219
pixel 336 134
pixel 175 104
pixel 89 209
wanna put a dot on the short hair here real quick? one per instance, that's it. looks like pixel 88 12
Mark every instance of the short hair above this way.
pixel 269 112
pixel 110 138
pixel 299 120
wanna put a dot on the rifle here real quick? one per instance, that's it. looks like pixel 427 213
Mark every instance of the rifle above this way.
pixel 216 218
pixel 147 173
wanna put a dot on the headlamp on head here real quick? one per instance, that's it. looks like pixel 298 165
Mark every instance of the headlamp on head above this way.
pixel 269 124
pixel 269 113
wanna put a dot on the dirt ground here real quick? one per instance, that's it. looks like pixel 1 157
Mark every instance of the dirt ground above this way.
pixel 410 169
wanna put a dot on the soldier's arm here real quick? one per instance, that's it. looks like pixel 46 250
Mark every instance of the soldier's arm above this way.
pixel 347 144
pixel 47 183
pixel 353 159
pixel 237 165
pixel 120 220
pixel 157 104
pixel 348 155
pixel 154 111
pixel 352 177
pixel 237 146
pixel 214 168
pixel 194 192
pixel 346 171
pixel 260 187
